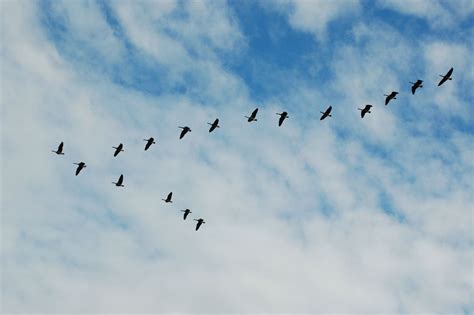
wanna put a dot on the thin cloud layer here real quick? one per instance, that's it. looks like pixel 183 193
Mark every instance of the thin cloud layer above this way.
pixel 343 215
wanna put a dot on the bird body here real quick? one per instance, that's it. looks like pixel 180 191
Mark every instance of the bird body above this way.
pixel 149 142
pixel 199 223
pixel 391 96
pixel 214 125
pixel 252 116
pixel 118 149
pixel 168 198
pixel 417 84
pixel 80 166
pixel 185 130
pixel 446 77
pixel 119 182
pixel 283 116
pixel 59 151
pixel 186 213
pixel 326 113
pixel 365 110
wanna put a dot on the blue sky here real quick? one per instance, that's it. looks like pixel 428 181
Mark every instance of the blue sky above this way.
pixel 341 215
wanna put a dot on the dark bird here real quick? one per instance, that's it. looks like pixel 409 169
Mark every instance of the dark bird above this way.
pixel 326 113
pixel 149 142
pixel 199 223
pixel 59 151
pixel 80 166
pixel 118 149
pixel 446 77
pixel 168 199
pixel 186 212
pixel 365 110
pixel 417 84
pixel 214 125
pixel 252 117
pixel 283 116
pixel 119 182
pixel 389 97
pixel 185 131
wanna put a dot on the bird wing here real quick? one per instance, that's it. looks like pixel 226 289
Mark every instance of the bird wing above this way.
pixel 254 113
pixel 147 145
pixel 78 169
pixel 60 148
pixel 280 121
pixel 120 181
pixel 413 89
pixel 183 132
pixel 362 113
pixel 387 99
pixel 169 196
pixel 450 72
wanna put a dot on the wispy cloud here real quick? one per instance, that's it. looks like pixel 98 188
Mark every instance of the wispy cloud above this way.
pixel 343 215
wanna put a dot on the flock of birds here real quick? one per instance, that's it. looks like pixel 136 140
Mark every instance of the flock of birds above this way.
pixel 251 118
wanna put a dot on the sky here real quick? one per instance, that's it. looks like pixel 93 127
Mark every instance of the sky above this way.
pixel 345 215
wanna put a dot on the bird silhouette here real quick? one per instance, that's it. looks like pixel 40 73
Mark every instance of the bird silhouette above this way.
pixel 283 116
pixel 168 198
pixel 446 77
pixel 118 149
pixel 80 166
pixel 214 125
pixel 186 212
pixel 199 223
pixel 59 151
pixel 391 96
pixel 149 142
pixel 119 182
pixel 417 84
pixel 252 116
pixel 365 110
pixel 184 131
pixel 326 113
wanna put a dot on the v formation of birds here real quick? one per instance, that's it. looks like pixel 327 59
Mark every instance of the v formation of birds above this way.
pixel 251 118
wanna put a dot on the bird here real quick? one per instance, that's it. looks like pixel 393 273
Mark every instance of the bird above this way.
pixel 326 113
pixel 446 77
pixel 168 199
pixel 365 110
pixel 214 125
pixel 80 166
pixel 186 212
pixel 391 96
pixel 417 84
pixel 118 149
pixel 59 151
pixel 149 142
pixel 283 116
pixel 119 182
pixel 252 116
pixel 185 131
pixel 199 223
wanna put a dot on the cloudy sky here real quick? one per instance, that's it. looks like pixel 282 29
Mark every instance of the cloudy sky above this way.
pixel 344 215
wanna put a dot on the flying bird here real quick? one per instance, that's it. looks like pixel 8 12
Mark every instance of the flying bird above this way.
pixel 365 110
pixel 326 113
pixel 446 77
pixel 59 151
pixel 119 182
pixel 199 223
pixel 283 116
pixel 391 96
pixel 214 125
pixel 186 212
pixel 118 149
pixel 80 166
pixel 185 131
pixel 149 142
pixel 168 199
pixel 252 116
pixel 417 84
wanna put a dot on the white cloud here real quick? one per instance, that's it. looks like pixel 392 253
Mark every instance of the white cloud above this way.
pixel 295 221
pixel 314 16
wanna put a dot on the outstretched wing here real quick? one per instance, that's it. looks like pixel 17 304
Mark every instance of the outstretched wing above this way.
pixel 254 113
pixel 120 180
pixel 169 196
pixel 60 147
pixel 280 121
pixel 183 132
